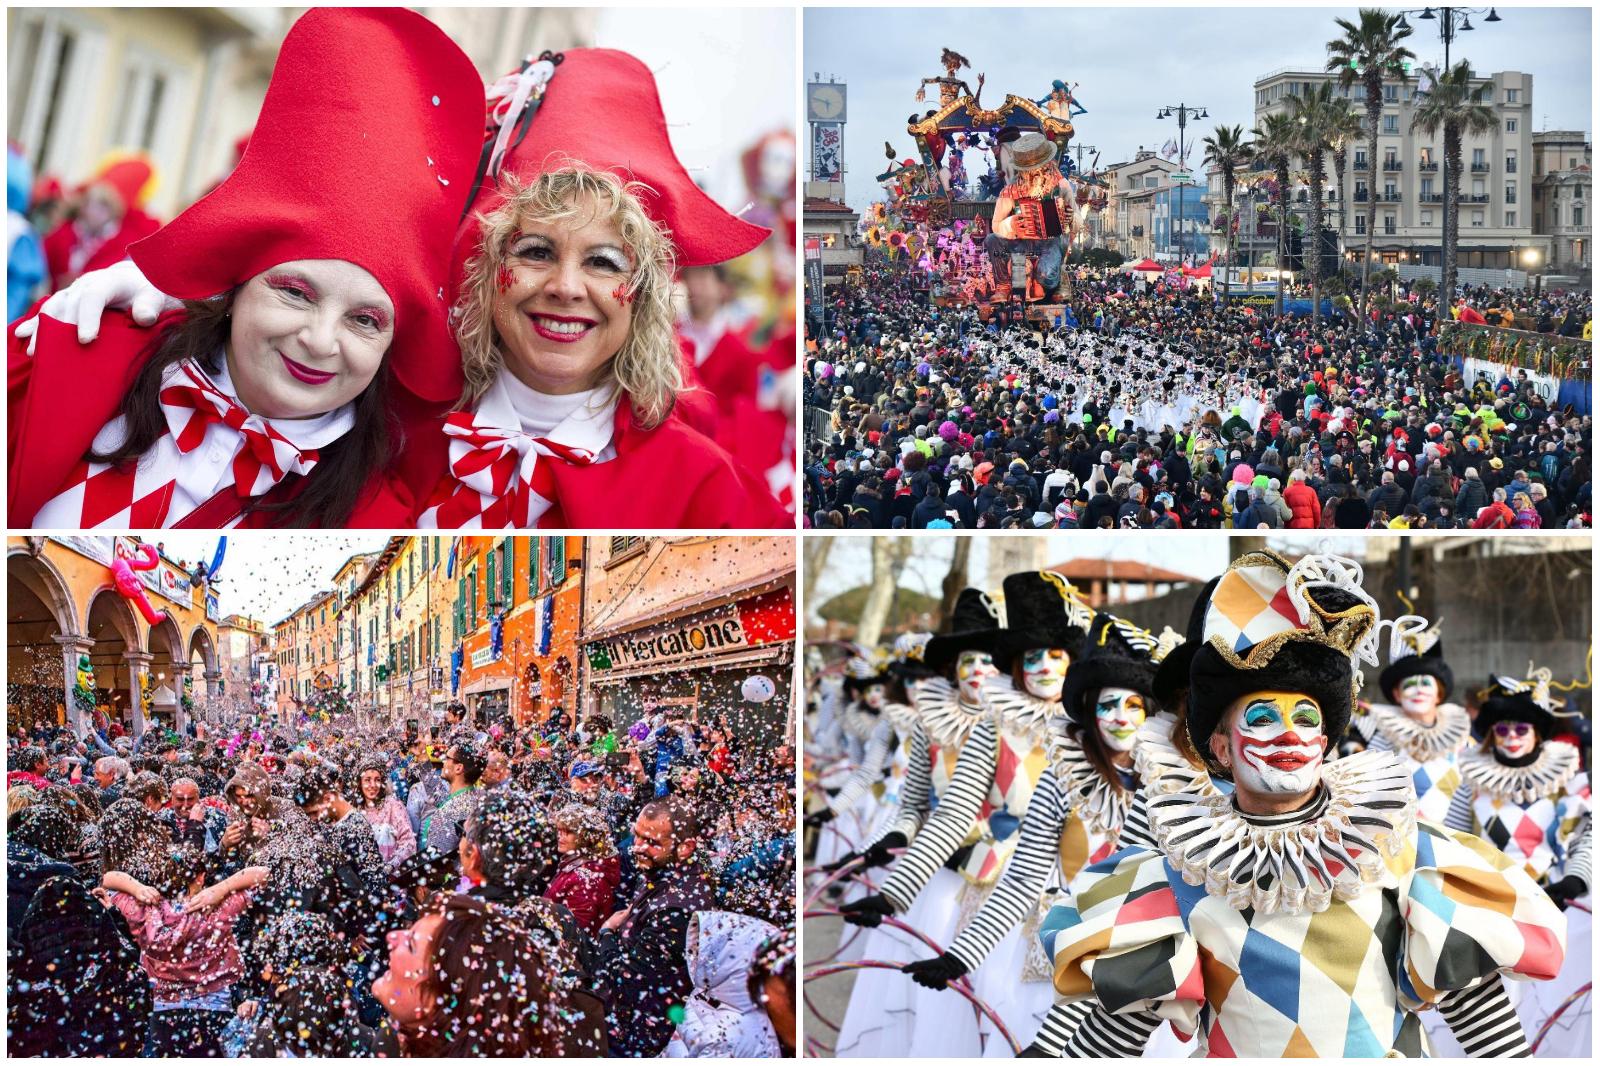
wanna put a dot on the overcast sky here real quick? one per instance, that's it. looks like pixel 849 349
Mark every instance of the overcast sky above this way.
pixel 1130 61
pixel 268 575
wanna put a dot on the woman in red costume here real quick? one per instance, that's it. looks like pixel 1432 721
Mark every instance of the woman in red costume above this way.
pixel 110 217
pixel 271 397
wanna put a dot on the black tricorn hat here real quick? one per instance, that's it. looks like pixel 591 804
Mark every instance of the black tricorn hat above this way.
pixel 1247 650
pixel 1510 700
pixel 1171 679
pixel 1429 660
pixel 974 626
pixel 1041 612
pixel 1115 654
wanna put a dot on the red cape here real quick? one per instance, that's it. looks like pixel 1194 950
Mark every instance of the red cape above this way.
pixel 58 400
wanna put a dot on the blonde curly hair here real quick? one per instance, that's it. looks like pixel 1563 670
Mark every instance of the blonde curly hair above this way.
pixel 647 367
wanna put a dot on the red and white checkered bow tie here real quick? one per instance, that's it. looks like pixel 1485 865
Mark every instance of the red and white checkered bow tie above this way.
pixel 502 465
pixel 192 404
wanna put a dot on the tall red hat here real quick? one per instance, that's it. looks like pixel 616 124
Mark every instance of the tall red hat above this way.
pixel 130 175
pixel 364 151
pixel 601 108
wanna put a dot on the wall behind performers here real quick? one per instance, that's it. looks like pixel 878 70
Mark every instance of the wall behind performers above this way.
pixel 1495 614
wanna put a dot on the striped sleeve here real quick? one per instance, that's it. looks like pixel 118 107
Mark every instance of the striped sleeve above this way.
pixel 866 775
pixel 958 810
pixel 1060 1024
pixel 916 788
pixel 1378 742
pixel 1023 883
pixel 1459 814
pixel 1577 863
pixel 1104 1035
pixel 1484 1022
pixel 1366 727
pixel 1136 825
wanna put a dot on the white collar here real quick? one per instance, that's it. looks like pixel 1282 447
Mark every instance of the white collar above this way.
pixel 859 722
pixel 1367 812
pixel 1450 730
pixel 1101 804
pixel 947 720
pixel 1545 776
pixel 1016 711
pixel 306 434
pixel 510 404
pixel 1161 767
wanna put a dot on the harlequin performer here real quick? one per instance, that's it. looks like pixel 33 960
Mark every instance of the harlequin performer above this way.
pixel 1076 816
pixel 950 707
pixel 110 218
pixel 1033 213
pixel 1527 795
pixel 563 281
pixel 995 776
pixel 271 404
pixel 1424 730
pixel 1309 913
pixel 868 735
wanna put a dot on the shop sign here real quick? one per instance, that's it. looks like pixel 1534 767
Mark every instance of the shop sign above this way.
pixel 482 657
pixel 705 635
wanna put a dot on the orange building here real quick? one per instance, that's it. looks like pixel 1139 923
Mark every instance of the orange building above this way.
pixel 705 623
pixel 530 666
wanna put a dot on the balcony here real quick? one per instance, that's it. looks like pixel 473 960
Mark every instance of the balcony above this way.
pixel 1431 198
pixel 1425 166
pixel 1360 164
pixel 1478 198
pixel 1360 197
pixel 1388 231
pixel 1393 165
pixel 1391 197
pixel 1480 168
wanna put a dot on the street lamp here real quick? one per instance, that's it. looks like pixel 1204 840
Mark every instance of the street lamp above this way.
pixel 1451 20
pixel 1184 112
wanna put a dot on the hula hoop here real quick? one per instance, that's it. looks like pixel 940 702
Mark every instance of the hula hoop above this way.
pixel 960 987
pixel 1544 1029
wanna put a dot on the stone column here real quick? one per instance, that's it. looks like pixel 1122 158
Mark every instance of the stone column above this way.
pixel 180 671
pixel 72 646
pixel 213 691
pixel 137 661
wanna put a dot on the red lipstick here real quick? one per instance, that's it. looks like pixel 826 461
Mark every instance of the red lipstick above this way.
pixel 304 373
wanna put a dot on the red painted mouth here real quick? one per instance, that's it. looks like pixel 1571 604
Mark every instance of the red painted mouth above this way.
pixel 1287 761
pixel 561 336
pixel 304 373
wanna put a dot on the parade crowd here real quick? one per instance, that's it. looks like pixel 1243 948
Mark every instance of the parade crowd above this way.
pixel 1165 409
pixel 468 889
pixel 1061 834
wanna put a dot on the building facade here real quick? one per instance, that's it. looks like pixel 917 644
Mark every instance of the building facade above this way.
pixel 705 624
pixel 1128 226
pixel 1495 194
pixel 1563 188
pixel 63 613
pixel 242 650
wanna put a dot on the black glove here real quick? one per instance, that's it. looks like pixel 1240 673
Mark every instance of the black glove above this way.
pixel 818 819
pixel 841 862
pixel 936 973
pixel 1566 890
pixel 878 853
pixel 867 912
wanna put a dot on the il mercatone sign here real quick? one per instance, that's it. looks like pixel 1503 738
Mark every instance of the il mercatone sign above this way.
pixel 703 635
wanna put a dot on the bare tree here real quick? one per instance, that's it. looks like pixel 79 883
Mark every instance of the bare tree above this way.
pixel 889 556
pixel 817 550
pixel 955 579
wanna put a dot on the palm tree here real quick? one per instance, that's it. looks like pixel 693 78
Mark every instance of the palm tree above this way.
pixel 1226 149
pixel 1274 143
pixel 1316 116
pixel 1452 103
pixel 1369 51
pixel 1344 129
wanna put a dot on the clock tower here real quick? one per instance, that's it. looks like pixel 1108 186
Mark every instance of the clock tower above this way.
pixel 825 111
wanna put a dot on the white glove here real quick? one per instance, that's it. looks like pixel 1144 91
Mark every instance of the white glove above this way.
pixel 85 301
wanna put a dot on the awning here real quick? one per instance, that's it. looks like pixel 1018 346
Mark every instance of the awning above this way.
pixel 766 653
pixel 486 684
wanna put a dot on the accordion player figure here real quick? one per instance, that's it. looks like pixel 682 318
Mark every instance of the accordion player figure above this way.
pixel 1032 215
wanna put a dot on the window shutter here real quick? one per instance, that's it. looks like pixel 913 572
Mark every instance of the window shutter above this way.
pixel 491 586
pixel 508 570
pixel 558 560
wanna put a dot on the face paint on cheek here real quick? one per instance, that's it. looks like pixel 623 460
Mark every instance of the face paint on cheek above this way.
pixel 1043 671
pixel 971 670
pixel 1277 744
pixel 1119 713
pixel 622 295
pixel 504 279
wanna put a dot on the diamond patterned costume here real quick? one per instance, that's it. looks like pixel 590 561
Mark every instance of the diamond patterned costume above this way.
pixel 1430 751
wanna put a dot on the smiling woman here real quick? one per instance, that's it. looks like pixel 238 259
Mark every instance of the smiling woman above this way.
pixel 265 398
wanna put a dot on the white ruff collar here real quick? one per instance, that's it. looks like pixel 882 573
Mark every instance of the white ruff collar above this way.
pixel 1451 729
pixel 948 721
pixel 1161 767
pixel 1016 711
pixel 1545 776
pixel 1101 804
pixel 903 718
pixel 858 722
pixel 1297 867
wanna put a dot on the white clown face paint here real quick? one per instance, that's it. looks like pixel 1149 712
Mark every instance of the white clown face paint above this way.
pixel 972 667
pixel 1419 696
pixel 1275 743
pixel 1044 670
pixel 874 696
pixel 1119 712
pixel 1515 739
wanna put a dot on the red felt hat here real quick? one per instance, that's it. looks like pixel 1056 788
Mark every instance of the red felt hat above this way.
pixel 364 151
pixel 130 176
pixel 601 108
